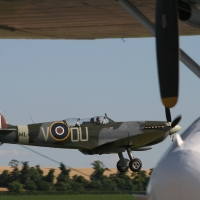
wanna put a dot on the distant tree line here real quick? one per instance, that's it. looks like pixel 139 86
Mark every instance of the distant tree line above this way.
pixel 31 179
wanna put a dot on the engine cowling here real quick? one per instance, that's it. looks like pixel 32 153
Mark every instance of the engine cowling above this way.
pixel 189 13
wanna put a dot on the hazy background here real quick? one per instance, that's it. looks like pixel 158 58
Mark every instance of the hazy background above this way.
pixel 59 79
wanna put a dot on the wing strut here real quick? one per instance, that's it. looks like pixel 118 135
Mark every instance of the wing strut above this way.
pixel 189 62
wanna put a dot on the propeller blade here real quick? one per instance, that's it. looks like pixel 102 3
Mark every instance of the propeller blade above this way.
pixel 167 46
pixel 176 121
pixel 168 114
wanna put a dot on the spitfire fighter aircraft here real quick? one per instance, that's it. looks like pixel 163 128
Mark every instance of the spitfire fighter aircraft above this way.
pixel 96 135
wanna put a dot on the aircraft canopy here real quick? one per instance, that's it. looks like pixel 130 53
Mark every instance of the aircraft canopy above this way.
pixel 96 119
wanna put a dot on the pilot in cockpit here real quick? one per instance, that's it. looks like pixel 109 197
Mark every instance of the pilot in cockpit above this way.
pixel 100 120
pixel 104 120
pixel 78 122
pixel 97 120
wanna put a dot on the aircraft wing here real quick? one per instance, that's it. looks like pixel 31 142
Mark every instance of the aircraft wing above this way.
pixel 139 140
pixel 75 19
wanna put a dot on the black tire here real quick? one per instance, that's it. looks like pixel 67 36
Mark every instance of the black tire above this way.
pixel 135 165
pixel 122 169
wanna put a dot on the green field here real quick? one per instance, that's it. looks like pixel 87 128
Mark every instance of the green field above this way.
pixel 69 197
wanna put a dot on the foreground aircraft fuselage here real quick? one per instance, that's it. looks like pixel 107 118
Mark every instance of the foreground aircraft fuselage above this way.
pixel 176 176
pixel 89 136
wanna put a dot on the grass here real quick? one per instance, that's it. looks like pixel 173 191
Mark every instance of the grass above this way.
pixel 70 197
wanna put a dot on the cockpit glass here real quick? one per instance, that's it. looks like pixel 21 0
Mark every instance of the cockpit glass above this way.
pixel 97 119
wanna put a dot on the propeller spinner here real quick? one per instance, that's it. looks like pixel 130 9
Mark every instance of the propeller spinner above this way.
pixel 174 127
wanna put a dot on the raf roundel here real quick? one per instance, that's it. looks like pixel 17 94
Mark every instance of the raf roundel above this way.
pixel 59 131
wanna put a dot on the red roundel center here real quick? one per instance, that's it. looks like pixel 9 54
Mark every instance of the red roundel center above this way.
pixel 59 130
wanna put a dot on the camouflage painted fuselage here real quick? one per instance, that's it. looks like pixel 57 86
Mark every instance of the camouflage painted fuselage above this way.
pixel 89 138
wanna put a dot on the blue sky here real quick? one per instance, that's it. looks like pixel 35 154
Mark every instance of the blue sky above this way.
pixel 59 79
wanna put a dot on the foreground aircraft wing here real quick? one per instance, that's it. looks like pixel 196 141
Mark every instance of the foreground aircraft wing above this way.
pixel 74 19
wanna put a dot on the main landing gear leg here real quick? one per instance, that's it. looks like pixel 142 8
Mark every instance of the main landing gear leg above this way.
pixel 122 164
pixel 135 164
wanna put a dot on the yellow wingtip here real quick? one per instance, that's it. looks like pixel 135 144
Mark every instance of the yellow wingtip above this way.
pixel 169 102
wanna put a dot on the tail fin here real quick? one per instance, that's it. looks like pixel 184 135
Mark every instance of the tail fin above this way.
pixel 3 123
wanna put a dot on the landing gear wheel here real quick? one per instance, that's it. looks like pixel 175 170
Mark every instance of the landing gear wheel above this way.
pixel 135 165
pixel 122 169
